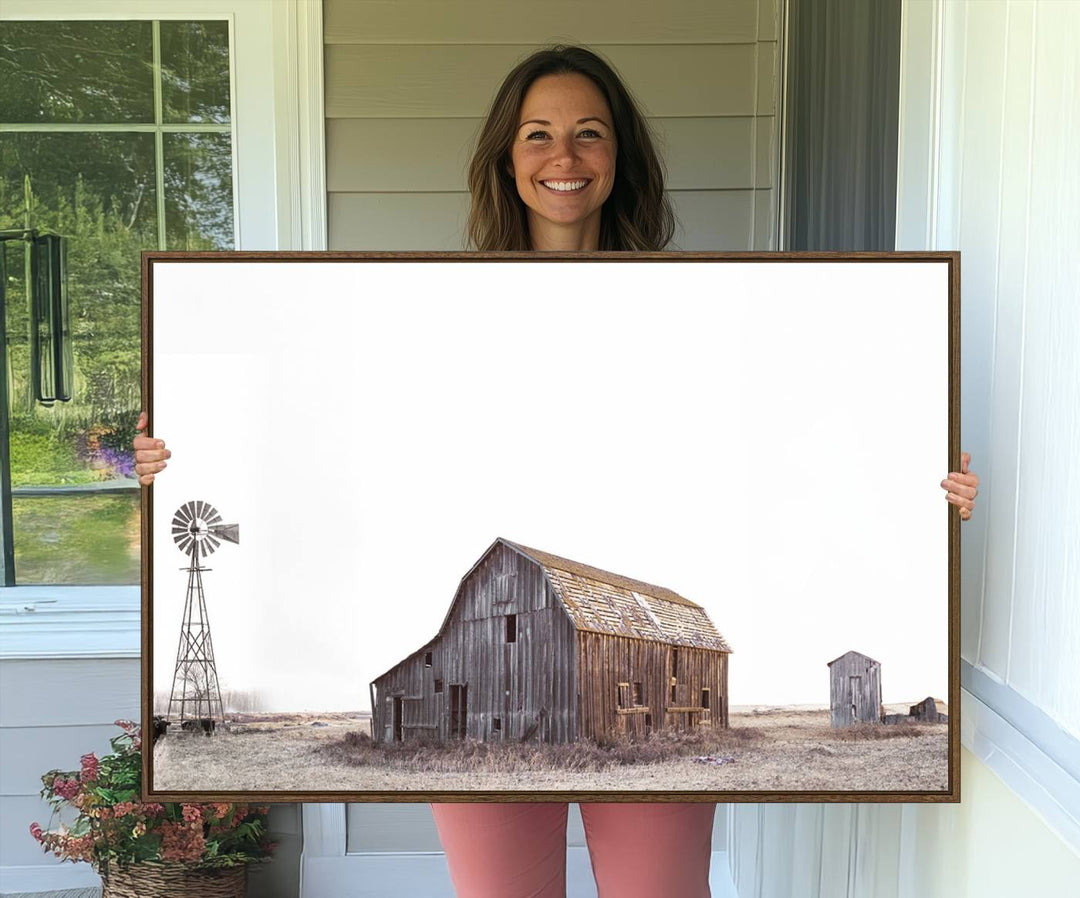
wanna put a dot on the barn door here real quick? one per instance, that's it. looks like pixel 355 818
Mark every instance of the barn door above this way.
pixel 398 703
pixel 856 699
pixel 459 709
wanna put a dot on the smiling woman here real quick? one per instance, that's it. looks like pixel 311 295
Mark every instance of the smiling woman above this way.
pixel 565 161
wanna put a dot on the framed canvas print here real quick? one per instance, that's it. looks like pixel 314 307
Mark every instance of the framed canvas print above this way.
pixel 625 527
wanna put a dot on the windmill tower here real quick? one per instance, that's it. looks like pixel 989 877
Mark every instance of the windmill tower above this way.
pixel 198 531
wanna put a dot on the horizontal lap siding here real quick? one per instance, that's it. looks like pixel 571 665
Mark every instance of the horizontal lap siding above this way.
pixel 460 80
pixel 53 711
pixel 431 155
pixel 407 85
pixel 707 219
pixel 527 22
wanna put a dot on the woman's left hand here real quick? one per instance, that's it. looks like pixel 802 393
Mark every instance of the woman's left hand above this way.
pixel 962 488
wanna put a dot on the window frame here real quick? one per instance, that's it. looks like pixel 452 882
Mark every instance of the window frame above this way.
pixel 276 91
pixel 279 203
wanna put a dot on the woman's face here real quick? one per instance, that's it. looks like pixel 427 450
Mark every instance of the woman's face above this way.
pixel 563 156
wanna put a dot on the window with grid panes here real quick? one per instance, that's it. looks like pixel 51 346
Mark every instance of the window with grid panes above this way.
pixel 117 135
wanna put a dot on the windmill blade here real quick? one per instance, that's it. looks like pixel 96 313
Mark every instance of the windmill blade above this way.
pixel 184 543
pixel 186 512
pixel 212 515
pixel 199 506
pixel 227 532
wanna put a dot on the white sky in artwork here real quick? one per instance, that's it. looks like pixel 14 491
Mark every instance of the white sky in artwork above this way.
pixel 765 439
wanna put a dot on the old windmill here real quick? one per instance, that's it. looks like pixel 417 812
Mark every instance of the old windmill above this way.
pixel 198 531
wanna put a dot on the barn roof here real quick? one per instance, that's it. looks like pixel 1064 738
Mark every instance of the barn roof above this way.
pixel 609 603
pixel 603 602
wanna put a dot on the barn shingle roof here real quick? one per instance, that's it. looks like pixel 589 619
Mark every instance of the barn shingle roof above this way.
pixel 609 603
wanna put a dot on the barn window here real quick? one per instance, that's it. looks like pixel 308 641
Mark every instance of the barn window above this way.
pixel 511 628
pixel 502 587
pixel 705 698
pixel 496 724
pixel 427 659
pixel 674 662
pixel 673 693
pixel 639 695
pixel 438 686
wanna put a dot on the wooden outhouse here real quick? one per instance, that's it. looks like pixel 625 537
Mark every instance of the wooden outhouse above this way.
pixel 535 646
pixel 854 690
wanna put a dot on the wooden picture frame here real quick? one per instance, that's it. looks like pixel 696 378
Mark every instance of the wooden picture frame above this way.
pixel 701 452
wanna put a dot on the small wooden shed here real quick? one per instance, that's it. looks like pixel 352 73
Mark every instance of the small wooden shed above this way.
pixel 854 689
pixel 535 646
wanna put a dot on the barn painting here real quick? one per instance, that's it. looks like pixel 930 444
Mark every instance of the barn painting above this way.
pixel 854 690
pixel 538 647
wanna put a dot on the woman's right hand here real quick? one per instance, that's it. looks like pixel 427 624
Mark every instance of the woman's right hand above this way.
pixel 150 454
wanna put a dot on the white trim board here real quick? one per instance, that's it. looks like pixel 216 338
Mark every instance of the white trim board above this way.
pixel 1047 787
pixel 1041 730
pixel 400 873
pixel 326 871
pixel 69 622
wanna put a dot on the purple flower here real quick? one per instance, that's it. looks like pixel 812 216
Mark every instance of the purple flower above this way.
pixel 121 462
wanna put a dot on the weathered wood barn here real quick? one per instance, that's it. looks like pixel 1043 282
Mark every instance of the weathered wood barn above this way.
pixel 535 646
pixel 854 690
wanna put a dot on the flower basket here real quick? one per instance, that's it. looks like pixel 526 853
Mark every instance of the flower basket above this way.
pixel 174 881
pixel 148 849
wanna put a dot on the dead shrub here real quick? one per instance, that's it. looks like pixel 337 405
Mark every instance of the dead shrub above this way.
pixel 869 731
pixel 471 755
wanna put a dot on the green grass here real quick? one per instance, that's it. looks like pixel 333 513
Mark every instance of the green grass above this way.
pixel 84 540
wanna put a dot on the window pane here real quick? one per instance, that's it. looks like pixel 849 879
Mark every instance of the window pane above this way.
pixel 98 191
pixel 198 192
pixel 195 71
pixel 76 72
pixel 79 540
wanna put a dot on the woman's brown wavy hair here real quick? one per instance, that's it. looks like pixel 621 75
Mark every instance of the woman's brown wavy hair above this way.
pixel 637 214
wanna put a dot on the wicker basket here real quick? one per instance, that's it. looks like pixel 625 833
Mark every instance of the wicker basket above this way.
pixel 174 881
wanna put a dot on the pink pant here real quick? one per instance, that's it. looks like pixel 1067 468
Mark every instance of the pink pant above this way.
pixel 497 850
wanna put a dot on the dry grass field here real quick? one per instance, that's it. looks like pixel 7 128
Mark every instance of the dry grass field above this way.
pixel 764 749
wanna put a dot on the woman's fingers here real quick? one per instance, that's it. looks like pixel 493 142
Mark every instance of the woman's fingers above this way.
pixel 962 485
pixel 960 501
pixel 150 454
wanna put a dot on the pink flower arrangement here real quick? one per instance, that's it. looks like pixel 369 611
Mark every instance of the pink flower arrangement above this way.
pixel 114 827
pixel 89 768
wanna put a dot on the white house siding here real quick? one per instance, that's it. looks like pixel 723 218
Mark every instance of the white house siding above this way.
pixel 1009 200
pixel 991 845
pixel 989 142
pixel 408 83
